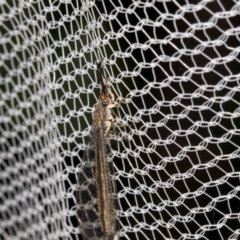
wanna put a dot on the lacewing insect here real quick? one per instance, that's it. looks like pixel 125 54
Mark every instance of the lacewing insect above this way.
pixel 96 206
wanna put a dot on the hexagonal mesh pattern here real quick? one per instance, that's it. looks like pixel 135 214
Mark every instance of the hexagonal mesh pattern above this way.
pixel 177 160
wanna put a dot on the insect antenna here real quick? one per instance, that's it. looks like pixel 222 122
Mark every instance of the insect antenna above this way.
pixel 102 75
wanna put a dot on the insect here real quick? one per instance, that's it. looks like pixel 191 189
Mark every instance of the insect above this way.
pixel 96 206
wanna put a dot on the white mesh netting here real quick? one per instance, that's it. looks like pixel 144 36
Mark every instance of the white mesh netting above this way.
pixel 177 63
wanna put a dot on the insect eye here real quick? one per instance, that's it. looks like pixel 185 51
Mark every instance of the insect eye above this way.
pixel 105 102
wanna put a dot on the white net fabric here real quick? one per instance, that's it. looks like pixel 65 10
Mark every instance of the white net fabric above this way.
pixel 176 62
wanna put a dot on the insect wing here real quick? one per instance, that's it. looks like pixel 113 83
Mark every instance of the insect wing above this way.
pixel 105 186
pixel 86 196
